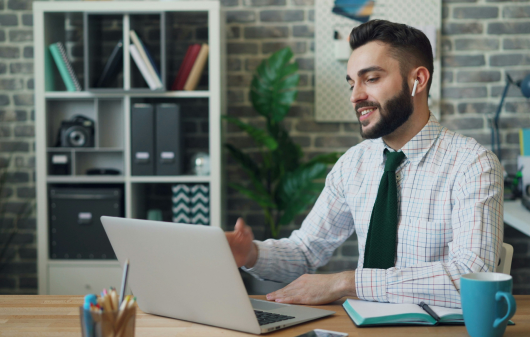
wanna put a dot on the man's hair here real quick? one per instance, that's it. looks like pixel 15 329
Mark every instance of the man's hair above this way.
pixel 408 45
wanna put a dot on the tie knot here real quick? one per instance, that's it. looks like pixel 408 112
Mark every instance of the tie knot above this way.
pixel 393 159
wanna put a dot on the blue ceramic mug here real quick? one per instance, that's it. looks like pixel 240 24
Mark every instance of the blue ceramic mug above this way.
pixel 487 303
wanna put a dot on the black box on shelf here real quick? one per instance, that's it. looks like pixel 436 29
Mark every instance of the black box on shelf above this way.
pixel 59 164
pixel 76 231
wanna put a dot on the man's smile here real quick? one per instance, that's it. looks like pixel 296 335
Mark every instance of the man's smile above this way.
pixel 365 112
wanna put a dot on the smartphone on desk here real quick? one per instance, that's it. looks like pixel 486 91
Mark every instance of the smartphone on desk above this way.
pixel 323 333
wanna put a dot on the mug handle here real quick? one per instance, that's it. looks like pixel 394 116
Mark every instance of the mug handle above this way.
pixel 511 307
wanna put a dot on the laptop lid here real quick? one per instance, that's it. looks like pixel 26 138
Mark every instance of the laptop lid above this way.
pixel 182 271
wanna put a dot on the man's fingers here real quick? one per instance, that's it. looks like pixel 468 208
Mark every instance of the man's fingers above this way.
pixel 281 293
pixel 240 225
pixel 288 299
pixel 242 229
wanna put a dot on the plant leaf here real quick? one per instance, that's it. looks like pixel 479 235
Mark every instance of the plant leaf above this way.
pixel 289 69
pixel 250 167
pixel 296 185
pixel 244 159
pixel 262 200
pixel 296 207
pixel 289 82
pixel 326 158
pixel 260 136
pixel 273 88
pixel 289 153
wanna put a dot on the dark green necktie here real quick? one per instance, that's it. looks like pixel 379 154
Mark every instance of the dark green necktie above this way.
pixel 380 250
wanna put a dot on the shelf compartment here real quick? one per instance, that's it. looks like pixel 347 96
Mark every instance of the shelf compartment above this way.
pixel 75 228
pixel 110 160
pixel 193 205
pixel 149 29
pixel 182 30
pixel 195 124
pixel 111 123
pixel 66 27
pixel 62 110
pixel 103 32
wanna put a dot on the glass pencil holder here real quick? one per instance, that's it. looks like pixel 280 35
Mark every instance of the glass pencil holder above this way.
pixel 108 324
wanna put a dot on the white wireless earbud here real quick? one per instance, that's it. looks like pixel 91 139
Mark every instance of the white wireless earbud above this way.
pixel 414 88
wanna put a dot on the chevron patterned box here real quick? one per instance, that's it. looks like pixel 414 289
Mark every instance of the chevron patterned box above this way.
pixel 191 204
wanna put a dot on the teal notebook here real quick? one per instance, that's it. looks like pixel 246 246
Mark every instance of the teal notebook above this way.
pixel 365 313
pixel 65 68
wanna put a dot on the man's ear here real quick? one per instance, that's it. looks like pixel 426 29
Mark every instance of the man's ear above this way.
pixel 422 76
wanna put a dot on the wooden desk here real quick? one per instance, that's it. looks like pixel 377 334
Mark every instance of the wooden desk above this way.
pixel 36 315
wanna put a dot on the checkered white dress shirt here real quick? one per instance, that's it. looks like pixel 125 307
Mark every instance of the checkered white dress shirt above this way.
pixel 450 205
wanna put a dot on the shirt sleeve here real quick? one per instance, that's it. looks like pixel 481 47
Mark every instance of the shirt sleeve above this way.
pixel 327 226
pixel 477 222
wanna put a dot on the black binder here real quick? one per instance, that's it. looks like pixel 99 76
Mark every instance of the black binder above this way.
pixel 142 140
pixel 168 140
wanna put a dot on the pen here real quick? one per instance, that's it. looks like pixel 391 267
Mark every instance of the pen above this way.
pixel 124 280
pixel 425 307
pixel 90 300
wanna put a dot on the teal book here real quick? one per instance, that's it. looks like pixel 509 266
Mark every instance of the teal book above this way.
pixel 365 313
pixel 49 83
pixel 524 141
pixel 64 66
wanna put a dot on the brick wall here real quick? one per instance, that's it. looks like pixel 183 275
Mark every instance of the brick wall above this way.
pixel 17 143
pixel 482 40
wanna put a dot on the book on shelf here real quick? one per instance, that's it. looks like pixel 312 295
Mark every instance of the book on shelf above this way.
pixel 148 60
pixel 185 67
pixel 143 67
pixel 152 60
pixel 49 79
pixel 524 141
pixel 65 67
pixel 196 70
pixel 114 62
pixel 366 313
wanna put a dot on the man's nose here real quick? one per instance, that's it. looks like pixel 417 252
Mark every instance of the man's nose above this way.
pixel 358 94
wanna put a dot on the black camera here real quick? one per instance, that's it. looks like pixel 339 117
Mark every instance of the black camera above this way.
pixel 76 132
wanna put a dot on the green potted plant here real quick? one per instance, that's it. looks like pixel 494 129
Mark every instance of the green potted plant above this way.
pixel 281 183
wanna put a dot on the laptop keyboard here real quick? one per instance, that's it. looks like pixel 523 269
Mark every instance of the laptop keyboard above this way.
pixel 265 318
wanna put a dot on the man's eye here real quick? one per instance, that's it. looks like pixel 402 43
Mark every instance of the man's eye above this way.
pixel 373 79
pixel 351 88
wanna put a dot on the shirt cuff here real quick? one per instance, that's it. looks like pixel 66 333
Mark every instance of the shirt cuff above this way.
pixel 260 267
pixel 370 284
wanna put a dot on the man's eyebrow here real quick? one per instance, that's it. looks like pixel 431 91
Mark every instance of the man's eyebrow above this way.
pixel 369 69
pixel 364 71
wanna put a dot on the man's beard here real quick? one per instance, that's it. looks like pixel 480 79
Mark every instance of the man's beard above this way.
pixel 396 112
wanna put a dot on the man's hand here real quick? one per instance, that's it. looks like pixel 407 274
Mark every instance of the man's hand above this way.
pixel 316 289
pixel 240 240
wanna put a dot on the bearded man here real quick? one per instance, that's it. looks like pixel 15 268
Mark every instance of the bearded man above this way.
pixel 426 203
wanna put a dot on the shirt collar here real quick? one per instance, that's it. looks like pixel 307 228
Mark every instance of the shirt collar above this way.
pixel 418 146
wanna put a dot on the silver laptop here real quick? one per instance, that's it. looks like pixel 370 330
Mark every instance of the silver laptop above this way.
pixel 188 272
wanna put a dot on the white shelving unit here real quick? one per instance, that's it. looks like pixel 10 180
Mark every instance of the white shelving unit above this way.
pixel 110 109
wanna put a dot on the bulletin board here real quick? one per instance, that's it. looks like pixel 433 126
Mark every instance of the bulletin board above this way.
pixel 332 92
